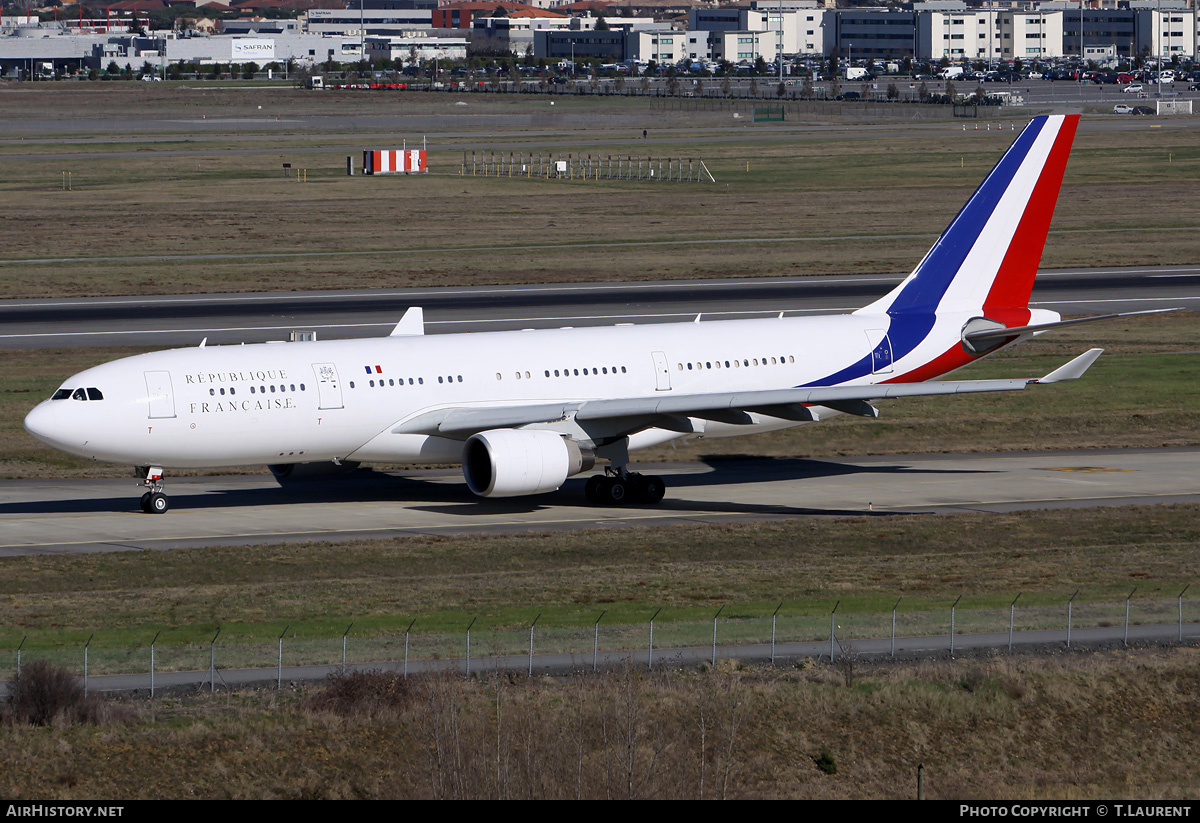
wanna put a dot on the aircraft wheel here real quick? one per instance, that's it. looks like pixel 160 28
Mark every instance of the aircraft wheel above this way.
pixel 592 489
pixel 146 502
pixel 158 503
pixel 652 489
pixel 614 491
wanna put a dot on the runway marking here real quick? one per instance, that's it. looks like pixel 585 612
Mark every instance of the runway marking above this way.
pixel 530 289
pixel 1085 469
pixel 471 290
pixel 1113 300
pixel 389 324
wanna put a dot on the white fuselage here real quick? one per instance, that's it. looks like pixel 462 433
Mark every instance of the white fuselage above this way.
pixel 338 400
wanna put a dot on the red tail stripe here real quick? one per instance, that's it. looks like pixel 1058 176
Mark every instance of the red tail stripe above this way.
pixel 1008 299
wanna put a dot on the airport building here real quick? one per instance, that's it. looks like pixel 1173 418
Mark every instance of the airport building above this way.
pixel 933 30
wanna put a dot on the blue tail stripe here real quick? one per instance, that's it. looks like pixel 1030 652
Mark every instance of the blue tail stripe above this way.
pixel 938 269
pixel 906 332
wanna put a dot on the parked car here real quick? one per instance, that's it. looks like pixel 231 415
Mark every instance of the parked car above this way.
pixel 1133 88
pixel 849 95
pixel 1194 87
pixel 1142 110
pixel 1122 108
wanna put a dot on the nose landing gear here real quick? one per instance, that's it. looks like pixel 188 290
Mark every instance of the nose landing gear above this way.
pixel 154 501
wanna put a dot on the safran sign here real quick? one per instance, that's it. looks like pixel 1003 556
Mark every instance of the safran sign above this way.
pixel 248 49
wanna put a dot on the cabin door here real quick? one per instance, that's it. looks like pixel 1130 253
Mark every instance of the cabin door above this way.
pixel 160 394
pixel 329 388
pixel 662 373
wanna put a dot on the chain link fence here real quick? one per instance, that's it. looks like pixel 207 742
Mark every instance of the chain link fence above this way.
pixel 729 632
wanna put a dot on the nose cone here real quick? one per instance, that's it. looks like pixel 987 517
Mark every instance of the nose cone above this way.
pixel 41 423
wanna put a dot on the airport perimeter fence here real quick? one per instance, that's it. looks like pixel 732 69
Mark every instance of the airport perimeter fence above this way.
pixel 572 166
pixel 725 634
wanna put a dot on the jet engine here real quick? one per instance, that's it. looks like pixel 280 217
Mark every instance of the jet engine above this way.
pixel 512 462
pixel 287 472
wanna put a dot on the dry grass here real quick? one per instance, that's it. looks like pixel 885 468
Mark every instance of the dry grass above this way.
pixel 144 207
pixel 1114 726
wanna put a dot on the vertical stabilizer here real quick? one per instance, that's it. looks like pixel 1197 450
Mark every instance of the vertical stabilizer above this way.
pixel 986 260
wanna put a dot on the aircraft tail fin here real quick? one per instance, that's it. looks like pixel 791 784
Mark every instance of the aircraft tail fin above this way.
pixel 985 262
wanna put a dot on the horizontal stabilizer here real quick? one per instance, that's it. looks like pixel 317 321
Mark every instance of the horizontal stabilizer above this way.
pixel 1001 333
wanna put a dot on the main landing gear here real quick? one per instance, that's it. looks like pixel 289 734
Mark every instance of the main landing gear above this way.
pixel 154 501
pixel 619 487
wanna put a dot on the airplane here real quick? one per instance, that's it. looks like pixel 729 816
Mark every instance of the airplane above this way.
pixel 522 411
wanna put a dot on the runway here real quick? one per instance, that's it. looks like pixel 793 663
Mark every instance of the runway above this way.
pixel 75 516
pixel 235 318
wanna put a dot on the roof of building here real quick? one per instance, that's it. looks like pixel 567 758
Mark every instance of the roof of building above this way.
pixel 532 12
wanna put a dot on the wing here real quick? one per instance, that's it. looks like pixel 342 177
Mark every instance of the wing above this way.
pixel 631 414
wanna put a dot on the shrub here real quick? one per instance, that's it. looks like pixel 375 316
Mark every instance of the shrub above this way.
pixel 361 693
pixel 42 693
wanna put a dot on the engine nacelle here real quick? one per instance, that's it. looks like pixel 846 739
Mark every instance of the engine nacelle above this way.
pixel 286 472
pixel 512 462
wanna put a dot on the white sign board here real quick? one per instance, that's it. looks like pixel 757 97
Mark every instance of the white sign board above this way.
pixel 246 50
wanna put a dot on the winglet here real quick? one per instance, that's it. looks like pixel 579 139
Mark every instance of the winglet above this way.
pixel 1073 370
pixel 411 324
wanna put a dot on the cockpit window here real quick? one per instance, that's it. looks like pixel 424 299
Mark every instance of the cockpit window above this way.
pixel 94 394
pixel 61 394
pixel 79 394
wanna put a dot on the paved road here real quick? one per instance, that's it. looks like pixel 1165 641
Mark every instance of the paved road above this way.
pixel 234 318
pixel 39 517
pixel 862 651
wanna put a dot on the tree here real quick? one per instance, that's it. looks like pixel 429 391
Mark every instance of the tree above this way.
pixel 249 70
pixel 781 89
pixel 601 23
pixel 893 92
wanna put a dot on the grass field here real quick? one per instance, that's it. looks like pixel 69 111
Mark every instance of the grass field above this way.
pixel 173 211
pixel 1104 727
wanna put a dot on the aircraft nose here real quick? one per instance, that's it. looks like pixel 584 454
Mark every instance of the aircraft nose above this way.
pixel 41 423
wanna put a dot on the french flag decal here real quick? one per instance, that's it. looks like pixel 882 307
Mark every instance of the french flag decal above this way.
pixel 377 370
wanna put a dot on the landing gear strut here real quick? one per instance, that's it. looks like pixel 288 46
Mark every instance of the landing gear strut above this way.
pixel 618 487
pixel 154 501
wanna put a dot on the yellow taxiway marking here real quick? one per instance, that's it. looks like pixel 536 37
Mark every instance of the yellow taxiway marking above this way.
pixel 1085 469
